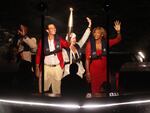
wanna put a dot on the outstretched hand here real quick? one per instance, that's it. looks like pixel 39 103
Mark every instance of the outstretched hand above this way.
pixel 117 25
pixel 89 21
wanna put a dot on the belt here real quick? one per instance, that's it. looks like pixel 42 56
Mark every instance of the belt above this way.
pixel 67 63
pixel 54 65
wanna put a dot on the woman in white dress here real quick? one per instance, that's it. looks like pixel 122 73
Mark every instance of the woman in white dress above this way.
pixel 73 55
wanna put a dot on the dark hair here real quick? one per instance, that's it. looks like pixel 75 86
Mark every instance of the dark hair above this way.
pixel 73 68
pixel 46 26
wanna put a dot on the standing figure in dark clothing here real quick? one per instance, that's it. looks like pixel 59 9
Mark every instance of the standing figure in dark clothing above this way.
pixel 73 85
pixel 25 46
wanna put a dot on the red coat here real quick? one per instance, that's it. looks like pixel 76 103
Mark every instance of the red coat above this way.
pixel 63 44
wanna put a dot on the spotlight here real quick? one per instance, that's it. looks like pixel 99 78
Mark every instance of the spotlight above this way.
pixel 140 56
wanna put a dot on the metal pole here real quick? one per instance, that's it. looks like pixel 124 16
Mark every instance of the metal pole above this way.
pixel 42 56
pixel 107 6
pixel 42 8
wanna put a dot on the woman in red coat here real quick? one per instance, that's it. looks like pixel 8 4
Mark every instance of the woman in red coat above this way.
pixel 96 61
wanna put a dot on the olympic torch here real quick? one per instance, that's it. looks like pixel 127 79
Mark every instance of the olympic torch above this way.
pixel 70 23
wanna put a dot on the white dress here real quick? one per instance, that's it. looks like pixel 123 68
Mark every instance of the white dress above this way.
pixel 66 58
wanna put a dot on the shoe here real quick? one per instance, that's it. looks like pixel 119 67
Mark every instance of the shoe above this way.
pixel 88 95
pixel 113 94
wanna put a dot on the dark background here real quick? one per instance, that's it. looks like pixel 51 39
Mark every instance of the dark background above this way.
pixel 133 14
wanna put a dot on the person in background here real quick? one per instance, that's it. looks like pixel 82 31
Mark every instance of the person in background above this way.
pixel 96 59
pixel 72 85
pixel 25 46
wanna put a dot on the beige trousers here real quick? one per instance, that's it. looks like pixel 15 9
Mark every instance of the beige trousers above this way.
pixel 52 77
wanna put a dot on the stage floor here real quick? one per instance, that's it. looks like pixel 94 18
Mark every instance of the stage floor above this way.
pixel 35 103
pixel 134 97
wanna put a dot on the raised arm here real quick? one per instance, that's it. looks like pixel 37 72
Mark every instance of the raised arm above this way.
pixel 117 39
pixel 86 33
pixel 31 42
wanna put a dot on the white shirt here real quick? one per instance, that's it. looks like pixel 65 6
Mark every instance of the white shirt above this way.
pixel 31 42
pixel 51 59
pixel 66 58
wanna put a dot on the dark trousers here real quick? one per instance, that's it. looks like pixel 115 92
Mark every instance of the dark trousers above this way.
pixel 25 77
